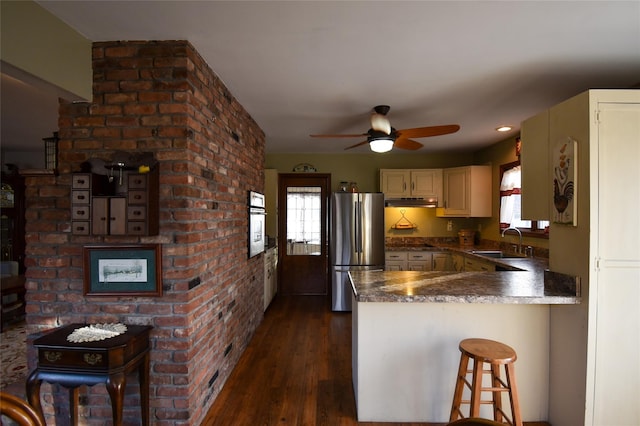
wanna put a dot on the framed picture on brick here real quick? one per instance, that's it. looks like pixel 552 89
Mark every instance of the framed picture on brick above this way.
pixel 122 270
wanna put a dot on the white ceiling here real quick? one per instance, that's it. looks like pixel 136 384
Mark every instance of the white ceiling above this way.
pixel 306 67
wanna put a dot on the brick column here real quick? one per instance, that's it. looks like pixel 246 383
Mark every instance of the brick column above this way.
pixel 158 97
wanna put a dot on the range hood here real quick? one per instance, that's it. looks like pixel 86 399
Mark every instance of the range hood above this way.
pixel 411 202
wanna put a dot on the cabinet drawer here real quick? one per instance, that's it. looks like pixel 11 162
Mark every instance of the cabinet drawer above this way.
pixel 137 181
pixel 395 266
pixel 136 213
pixel 137 228
pixel 80 197
pixel 395 255
pixel 81 212
pixel 137 197
pixel 418 266
pixel 478 265
pixel 80 228
pixel 80 181
pixel 419 256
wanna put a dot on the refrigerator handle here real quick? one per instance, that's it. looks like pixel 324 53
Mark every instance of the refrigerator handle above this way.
pixel 358 228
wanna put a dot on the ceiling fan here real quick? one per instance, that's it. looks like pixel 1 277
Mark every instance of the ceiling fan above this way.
pixel 381 137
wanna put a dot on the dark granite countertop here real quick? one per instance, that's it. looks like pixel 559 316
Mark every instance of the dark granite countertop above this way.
pixel 530 283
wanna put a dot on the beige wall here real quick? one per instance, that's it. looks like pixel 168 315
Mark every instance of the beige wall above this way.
pixel 364 170
pixel 39 45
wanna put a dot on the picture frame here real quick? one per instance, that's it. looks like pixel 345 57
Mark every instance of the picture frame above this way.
pixel 123 270
pixel 565 177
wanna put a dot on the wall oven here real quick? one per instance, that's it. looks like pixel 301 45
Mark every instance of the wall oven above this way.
pixel 257 218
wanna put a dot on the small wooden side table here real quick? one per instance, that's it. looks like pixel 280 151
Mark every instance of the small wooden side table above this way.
pixel 89 363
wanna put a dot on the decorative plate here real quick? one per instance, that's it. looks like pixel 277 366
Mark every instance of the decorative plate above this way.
pixel 304 167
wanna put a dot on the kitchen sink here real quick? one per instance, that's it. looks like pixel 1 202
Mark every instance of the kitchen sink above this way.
pixel 497 254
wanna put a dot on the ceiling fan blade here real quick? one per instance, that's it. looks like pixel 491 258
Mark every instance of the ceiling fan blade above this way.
pixel 339 136
pixel 404 143
pixel 356 145
pixel 424 132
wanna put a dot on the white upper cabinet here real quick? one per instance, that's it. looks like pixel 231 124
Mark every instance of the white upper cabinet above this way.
pixel 411 183
pixel 466 192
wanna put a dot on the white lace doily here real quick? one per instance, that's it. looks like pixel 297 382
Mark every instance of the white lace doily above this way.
pixel 95 332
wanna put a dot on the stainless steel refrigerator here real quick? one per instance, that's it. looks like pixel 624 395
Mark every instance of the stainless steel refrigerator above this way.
pixel 357 240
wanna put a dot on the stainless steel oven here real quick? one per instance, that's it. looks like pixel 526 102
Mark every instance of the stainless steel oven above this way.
pixel 257 218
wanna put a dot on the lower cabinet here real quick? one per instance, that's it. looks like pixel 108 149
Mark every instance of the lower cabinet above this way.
pixel 434 261
pixel 478 265
pixel 395 261
pixel 442 262
pixel 418 261
pixel 457 262
pixel 270 275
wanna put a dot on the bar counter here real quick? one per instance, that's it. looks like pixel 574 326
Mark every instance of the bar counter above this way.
pixel 406 327
pixel 532 284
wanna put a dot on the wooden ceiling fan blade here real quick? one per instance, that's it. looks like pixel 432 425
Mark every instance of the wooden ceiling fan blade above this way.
pixel 357 145
pixel 404 143
pixel 339 136
pixel 424 132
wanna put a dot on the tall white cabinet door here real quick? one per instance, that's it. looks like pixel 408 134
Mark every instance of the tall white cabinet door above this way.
pixel 616 203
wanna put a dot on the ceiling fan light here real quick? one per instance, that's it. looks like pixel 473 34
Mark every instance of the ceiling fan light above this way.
pixel 380 123
pixel 381 145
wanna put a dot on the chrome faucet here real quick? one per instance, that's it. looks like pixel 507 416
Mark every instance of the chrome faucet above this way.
pixel 519 234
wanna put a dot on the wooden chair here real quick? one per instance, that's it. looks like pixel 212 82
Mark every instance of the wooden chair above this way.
pixel 18 410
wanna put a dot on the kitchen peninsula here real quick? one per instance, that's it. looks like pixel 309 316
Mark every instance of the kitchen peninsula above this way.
pixel 407 326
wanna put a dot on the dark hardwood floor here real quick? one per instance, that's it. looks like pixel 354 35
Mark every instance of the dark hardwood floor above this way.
pixel 295 371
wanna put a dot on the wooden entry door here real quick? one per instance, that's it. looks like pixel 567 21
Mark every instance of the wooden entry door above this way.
pixel 303 200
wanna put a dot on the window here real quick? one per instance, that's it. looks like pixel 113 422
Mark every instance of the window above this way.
pixel 303 220
pixel 510 203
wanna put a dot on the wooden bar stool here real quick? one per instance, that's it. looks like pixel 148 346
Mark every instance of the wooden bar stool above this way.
pixel 495 354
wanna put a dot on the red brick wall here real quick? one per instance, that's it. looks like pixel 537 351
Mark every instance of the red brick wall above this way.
pixel 163 98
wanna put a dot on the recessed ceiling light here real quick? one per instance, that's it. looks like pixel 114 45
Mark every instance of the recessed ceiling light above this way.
pixel 504 128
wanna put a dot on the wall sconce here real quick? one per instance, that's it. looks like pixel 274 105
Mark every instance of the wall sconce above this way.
pixel 51 152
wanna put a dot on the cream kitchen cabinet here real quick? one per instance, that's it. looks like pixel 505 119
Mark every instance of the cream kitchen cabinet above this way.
pixel 466 192
pixel 419 261
pixel 395 261
pixel 595 346
pixel 478 265
pixel 411 183
pixel 270 275
pixel 441 262
pixel 457 262
pixel 534 161
pixel 408 261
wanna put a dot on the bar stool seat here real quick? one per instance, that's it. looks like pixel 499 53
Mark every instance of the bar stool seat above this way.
pixel 495 354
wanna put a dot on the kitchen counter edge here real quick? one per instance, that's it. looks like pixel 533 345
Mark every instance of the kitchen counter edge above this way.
pixel 530 283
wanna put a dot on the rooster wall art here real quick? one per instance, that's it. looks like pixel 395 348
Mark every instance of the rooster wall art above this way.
pixel 563 183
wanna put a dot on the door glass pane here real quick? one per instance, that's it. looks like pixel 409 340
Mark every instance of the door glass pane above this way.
pixel 303 220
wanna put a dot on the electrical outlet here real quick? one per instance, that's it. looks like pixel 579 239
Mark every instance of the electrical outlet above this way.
pixel 450 225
